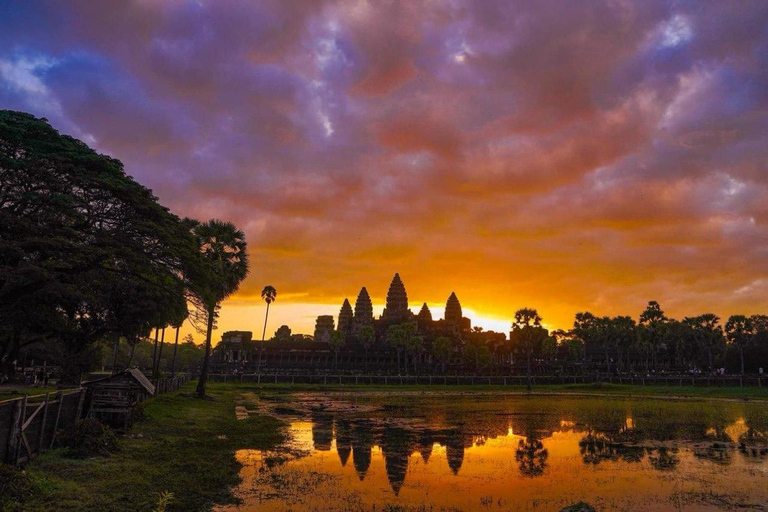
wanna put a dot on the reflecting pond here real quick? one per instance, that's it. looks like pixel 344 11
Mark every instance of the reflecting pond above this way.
pixel 471 451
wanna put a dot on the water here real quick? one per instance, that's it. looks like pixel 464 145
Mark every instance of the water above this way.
pixel 403 451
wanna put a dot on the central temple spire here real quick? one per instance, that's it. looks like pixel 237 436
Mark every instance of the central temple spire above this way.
pixel 397 301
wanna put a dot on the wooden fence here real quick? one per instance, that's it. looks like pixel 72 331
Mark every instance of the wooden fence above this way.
pixel 494 380
pixel 28 424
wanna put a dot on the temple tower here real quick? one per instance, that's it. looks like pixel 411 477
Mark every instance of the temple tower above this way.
pixel 345 317
pixel 425 315
pixel 363 308
pixel 424 318
pixel 323 328
pixel 453 312
pixel 397 301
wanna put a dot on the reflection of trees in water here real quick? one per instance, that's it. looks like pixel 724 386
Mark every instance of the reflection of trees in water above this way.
pixel 754 444
pixel 663 459
pixel 598 447
pixel 716 453
pixel 609 431
pixel 531 456
pixel 322 431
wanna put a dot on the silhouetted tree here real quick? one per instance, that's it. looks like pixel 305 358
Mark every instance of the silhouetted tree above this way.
pixel 739 331
pixel 224 265
pixel 527 334
pixel 336 341
pixel 442 349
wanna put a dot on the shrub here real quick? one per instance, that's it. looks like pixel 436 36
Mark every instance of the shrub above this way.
pixel 15 488
pixel 87 438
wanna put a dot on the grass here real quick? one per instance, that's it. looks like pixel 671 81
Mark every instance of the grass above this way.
pixel 618 390
pixel 8 392
pixel 184 447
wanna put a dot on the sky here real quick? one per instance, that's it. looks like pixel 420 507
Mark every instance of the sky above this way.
pixel 565 156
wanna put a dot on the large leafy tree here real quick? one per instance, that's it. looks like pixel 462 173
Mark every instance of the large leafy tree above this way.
pixel 527 336
pixel 653 331
pixel 85 251
pixel 707 335
pixel 739 331
pixel 442 350
pixel 222 266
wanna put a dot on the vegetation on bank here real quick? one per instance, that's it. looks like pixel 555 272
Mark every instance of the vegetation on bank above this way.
pixel 593 389
pixel 185 446
pixel 89 256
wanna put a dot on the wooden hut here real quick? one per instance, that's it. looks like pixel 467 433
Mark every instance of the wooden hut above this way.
pixel 113 399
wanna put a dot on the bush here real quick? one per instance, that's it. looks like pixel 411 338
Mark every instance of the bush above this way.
pixel 87 438
pixel 15 488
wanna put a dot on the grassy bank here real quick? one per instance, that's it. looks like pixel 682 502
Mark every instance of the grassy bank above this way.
pixel 185 446
pixel 676 392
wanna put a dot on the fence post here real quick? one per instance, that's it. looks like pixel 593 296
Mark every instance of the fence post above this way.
pixel 80 404
pixel 13 440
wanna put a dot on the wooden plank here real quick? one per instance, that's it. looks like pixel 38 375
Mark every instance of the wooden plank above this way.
pixel 60 396
pixel 40 447
pixel 32 417
pixel 80 405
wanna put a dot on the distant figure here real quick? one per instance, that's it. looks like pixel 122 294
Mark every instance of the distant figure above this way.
pixel 760 370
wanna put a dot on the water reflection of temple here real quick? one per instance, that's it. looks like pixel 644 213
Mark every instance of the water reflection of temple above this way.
pixel 603 437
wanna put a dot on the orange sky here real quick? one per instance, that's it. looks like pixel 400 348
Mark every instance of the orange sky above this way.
pixel 563 156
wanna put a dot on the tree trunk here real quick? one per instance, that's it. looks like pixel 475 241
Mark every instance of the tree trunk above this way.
pixel 711 363
pixel 528 373
pixel 204 370
pixel 154 350
pixel 741 355
pixel 264 331
pixel 133 350
pixel 156 370
pixel 175 349
pixel 114 355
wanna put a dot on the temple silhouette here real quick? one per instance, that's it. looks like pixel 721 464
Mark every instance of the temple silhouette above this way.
pixel 365 337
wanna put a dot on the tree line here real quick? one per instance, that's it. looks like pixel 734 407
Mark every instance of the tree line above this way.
pixel 87 254
pixel 620 344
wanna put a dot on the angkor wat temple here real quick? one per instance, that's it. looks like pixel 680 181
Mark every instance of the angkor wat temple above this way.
pixel 356 340
pixel 396 311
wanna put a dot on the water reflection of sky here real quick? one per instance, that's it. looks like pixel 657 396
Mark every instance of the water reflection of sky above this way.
pixel 514 454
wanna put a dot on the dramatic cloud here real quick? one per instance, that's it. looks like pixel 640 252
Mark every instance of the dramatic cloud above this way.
pixel 560 155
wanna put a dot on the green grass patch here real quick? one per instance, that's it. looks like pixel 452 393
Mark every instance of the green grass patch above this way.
pixel 185 446
pixel 619 390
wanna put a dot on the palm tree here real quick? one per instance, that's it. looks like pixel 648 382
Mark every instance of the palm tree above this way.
pixel 221 268
pixel 739 330
pixel 269 294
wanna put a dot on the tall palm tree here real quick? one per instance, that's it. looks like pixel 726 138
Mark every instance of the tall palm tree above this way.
pixel 222 266
pixel 269 294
